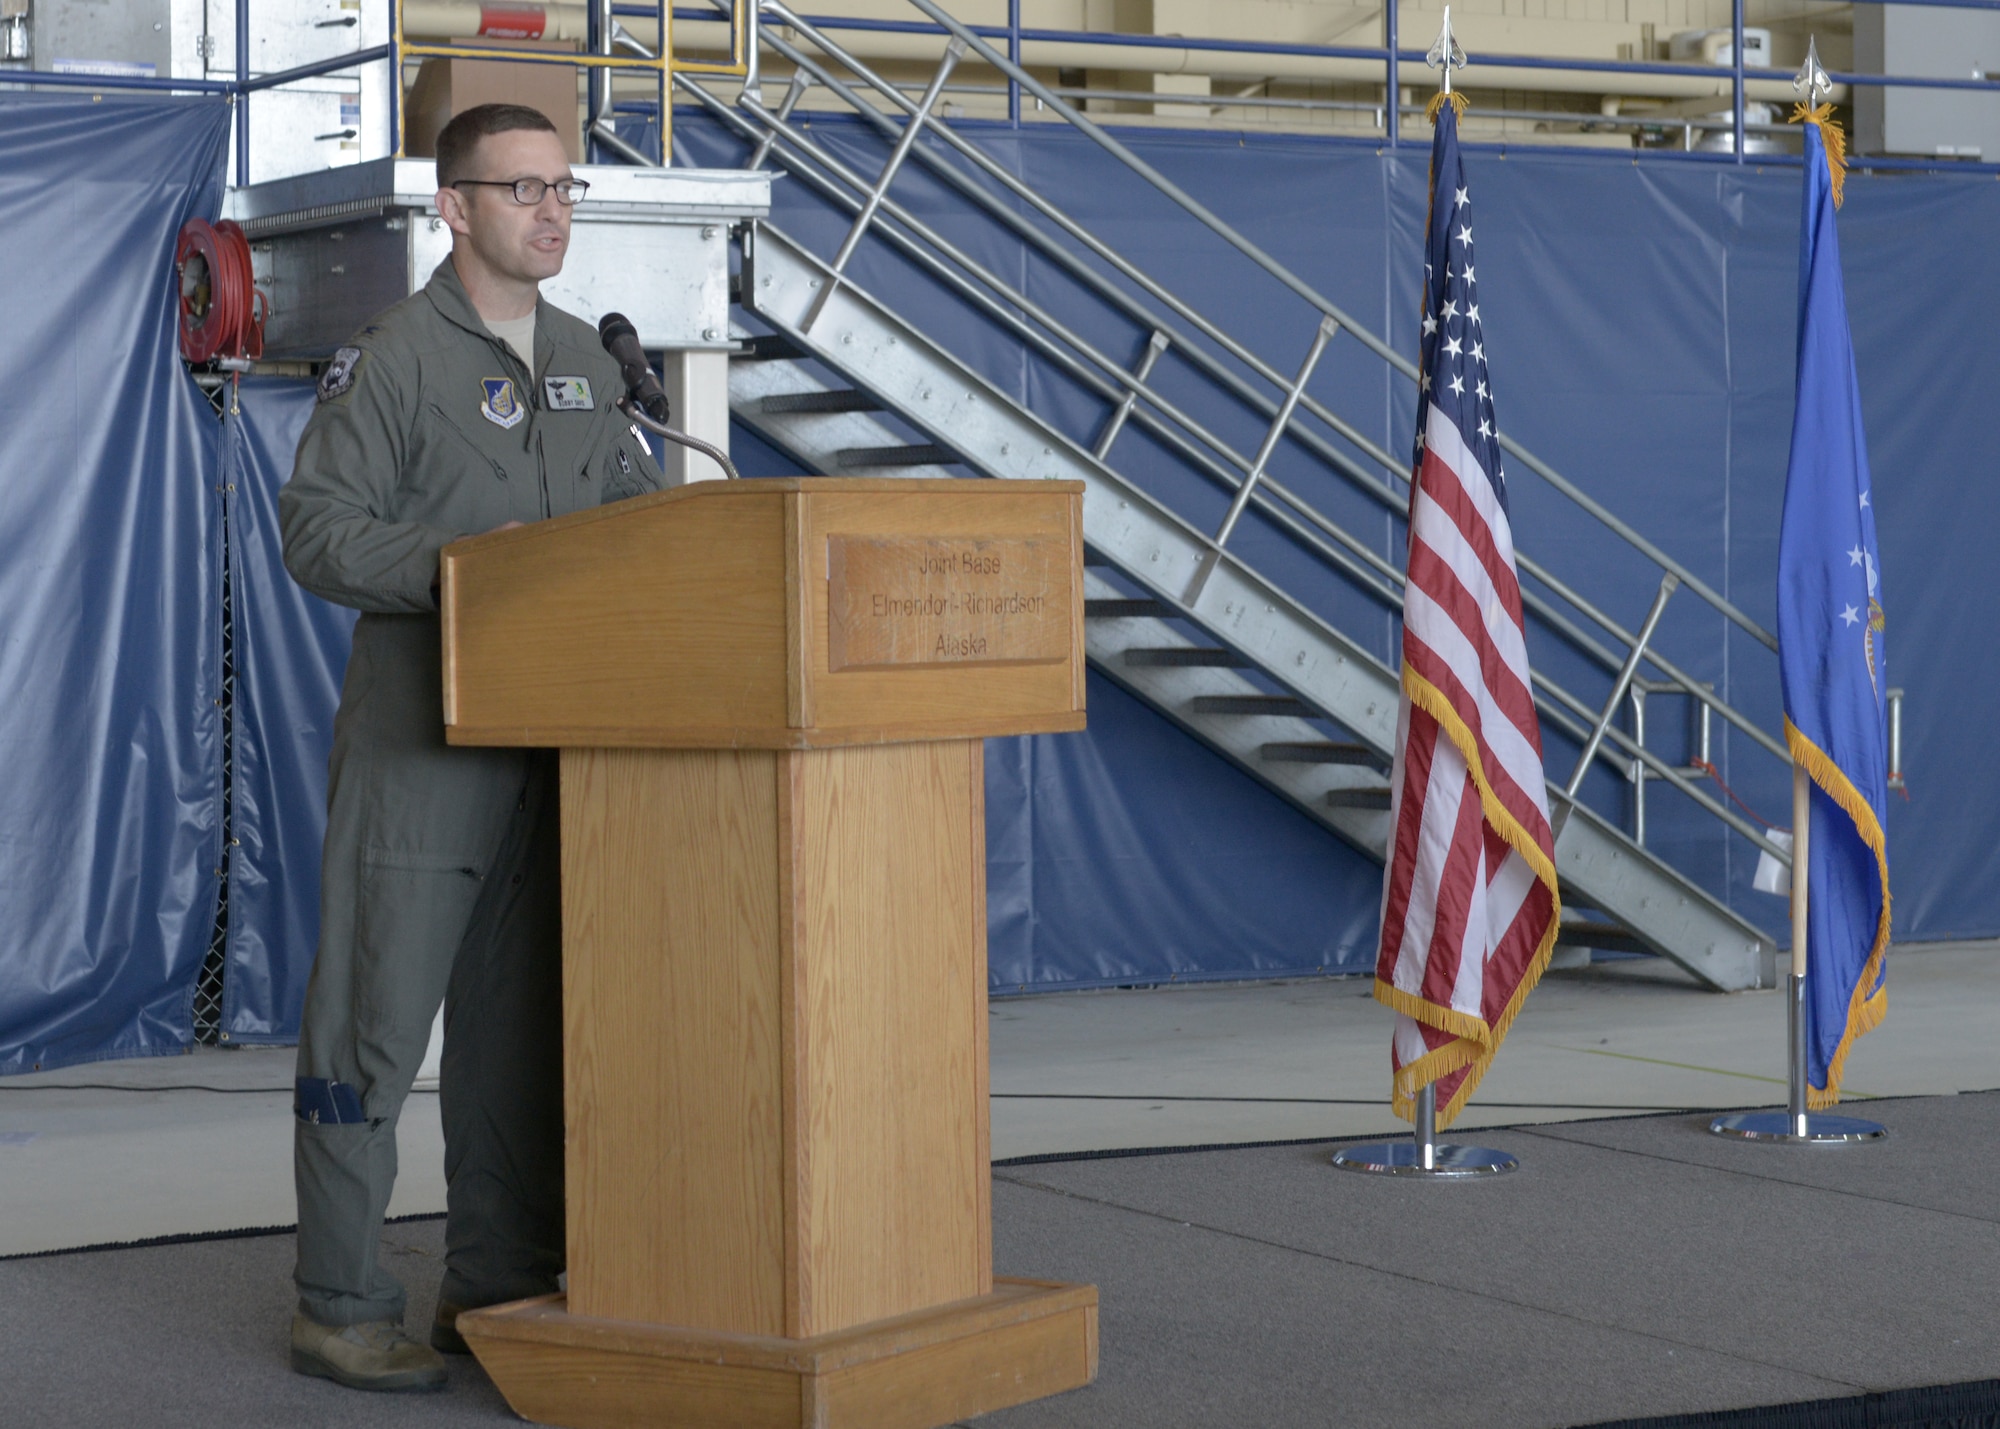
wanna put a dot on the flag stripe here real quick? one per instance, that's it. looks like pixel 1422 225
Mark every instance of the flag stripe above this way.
pixel 1438 797
pixel 1470 503
pixel 1444 580
pixel 1457 894
pixel 1514 768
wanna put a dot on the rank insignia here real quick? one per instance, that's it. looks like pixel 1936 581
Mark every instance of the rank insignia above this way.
pixel 500 406
pixel 568 394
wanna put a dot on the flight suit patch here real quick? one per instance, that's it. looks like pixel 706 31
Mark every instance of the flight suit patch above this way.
pixel 568 394
pixel 500 406
pixel 339 374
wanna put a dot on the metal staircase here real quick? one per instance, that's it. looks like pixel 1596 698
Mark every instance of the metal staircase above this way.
pixel 840 381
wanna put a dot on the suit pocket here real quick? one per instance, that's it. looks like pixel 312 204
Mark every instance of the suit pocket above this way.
pixel 471 448
pixel 411 917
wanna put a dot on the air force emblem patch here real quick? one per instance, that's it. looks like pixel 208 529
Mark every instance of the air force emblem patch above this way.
pixel 500 406
pixel 339 374
pixel 568 394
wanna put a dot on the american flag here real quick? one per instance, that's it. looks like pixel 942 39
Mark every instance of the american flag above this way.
pixel 1469 902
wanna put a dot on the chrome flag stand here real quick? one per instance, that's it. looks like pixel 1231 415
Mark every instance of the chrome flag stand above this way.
pixel 1421 1155
pixel 1794 1124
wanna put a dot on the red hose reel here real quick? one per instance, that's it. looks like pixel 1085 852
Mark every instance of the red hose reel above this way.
pixel 222 312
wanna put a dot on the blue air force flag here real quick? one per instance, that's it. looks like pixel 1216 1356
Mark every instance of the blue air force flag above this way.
pixel 1833 659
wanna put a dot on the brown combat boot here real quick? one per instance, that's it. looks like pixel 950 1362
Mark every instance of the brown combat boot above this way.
pixel 374 1355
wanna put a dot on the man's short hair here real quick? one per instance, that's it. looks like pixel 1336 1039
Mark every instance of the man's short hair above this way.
pixel 459 140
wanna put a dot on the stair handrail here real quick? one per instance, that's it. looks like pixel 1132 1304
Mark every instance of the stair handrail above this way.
pixel 1384 491
pixel 1135 387
pixel 1223 230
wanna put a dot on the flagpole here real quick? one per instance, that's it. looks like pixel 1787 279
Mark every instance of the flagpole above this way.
pixel 1421 1155
pixel 1795 1126
pixel 1795 1077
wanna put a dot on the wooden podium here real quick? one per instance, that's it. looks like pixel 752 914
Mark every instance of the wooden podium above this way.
pixel 770 697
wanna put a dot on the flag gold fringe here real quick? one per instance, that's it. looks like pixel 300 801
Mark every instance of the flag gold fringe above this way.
pixel 1477 1042
pixel 1458 102
pixel 1833 139
pixel 1868 1004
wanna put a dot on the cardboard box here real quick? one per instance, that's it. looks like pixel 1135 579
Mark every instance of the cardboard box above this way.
pixel 445 87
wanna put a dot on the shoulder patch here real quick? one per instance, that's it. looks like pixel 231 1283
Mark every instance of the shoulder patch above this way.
pixel 339 374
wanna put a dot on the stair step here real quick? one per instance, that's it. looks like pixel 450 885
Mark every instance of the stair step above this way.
pixel 1252 705
pixel 928 454
pixel 1187 655
pixel 840 399
pixel 769 347
pixel 1610 937
pixel 1357 798
pixel 1324 752
pixel 1123 609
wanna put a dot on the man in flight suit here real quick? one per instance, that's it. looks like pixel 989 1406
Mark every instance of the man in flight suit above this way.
pixel 470 406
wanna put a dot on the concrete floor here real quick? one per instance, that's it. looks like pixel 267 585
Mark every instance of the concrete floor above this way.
pixel 1094 1071
pixel 122 1151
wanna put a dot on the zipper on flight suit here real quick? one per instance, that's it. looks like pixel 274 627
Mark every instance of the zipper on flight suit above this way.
pixel 532 390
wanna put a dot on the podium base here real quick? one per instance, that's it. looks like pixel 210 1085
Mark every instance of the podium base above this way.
pixel 1026 1340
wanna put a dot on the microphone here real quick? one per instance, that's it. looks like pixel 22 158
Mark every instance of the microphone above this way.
pixel 621 340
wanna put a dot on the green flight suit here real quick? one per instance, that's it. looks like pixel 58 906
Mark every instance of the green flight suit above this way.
pixel 439 878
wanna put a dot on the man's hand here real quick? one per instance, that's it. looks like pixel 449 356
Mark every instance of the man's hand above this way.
pixel 508 527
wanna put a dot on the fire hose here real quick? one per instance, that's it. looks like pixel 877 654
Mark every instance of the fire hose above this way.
pixel 222 311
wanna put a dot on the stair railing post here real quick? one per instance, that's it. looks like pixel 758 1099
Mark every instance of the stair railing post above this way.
pixel 1156 345
pixel 1737 83
pixel 1014 55
pixel 1327 328
pixel 1392 100
pixel 597 84
pixel 794 92
pixel 1639 770
pixel 1625 673
pixel 753 52
pixel 911 131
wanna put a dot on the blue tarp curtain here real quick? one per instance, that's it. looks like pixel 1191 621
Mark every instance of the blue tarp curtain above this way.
pixel 291 651
pixel 110 775
pixel 1639 320
pixel 1640 327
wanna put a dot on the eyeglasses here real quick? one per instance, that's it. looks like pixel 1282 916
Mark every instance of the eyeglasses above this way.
pixel 528 192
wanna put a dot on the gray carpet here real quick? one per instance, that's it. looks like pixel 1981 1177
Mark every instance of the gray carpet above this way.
pixel 1630 1268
